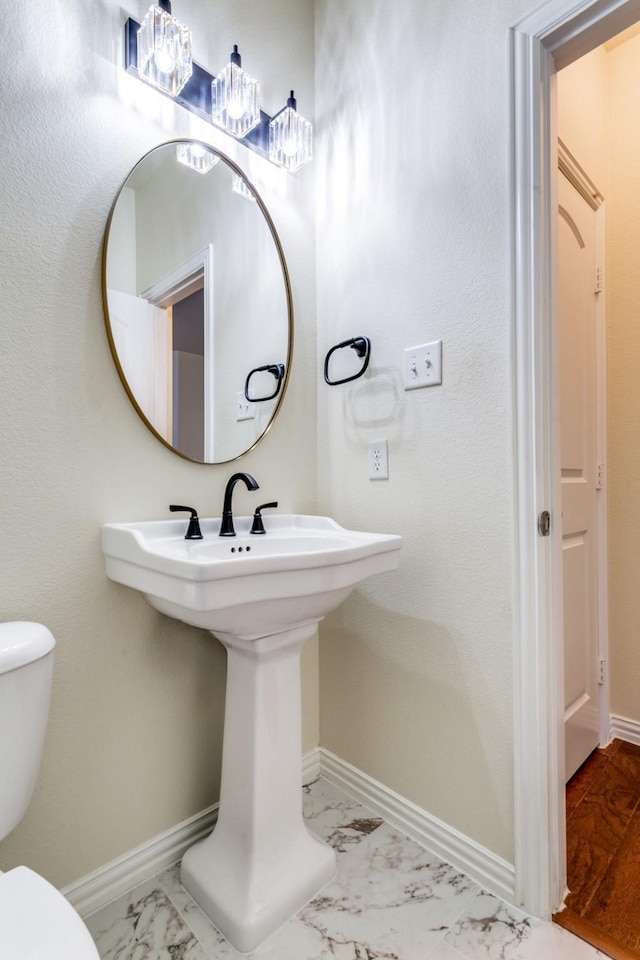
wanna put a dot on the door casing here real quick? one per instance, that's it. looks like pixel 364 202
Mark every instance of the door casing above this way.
pixel 549 38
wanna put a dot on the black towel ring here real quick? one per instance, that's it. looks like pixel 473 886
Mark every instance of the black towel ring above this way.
pixel 361 345
pixel 277 369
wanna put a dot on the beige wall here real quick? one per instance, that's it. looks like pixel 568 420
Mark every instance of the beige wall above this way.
pixel 599 120
pixel 413 244
pixel 412 102
pixel 133 745
pixel 582 114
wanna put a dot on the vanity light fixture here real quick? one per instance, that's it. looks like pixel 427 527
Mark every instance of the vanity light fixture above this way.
pixel 235 98
pixel 196 157
pixel 164 49
pixel 158 51
pixel 238 185
pixel 290 137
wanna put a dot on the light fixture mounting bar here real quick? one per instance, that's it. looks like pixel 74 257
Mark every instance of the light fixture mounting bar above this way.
pixel 196 93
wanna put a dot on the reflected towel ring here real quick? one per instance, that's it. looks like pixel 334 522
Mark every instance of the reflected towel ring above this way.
pixel 277 369
pixel 361 345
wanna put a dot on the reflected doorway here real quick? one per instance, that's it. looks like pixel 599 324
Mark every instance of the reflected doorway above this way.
pixel 188 369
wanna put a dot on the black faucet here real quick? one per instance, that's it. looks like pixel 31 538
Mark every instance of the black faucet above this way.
pixel 193 530
pixel 226 527
pixel 258 526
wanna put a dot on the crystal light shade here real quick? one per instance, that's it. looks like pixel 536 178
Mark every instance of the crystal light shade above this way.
pixel 164 50
pixel 238 185
pixel 196 156
pixel 290 138
pixel 235 98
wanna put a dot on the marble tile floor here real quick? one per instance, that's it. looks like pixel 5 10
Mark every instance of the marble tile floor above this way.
pixel 390 900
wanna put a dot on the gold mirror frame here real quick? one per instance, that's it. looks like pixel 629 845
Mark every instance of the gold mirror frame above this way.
pixel 235 169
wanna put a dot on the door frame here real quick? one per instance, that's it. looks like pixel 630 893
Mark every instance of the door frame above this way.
pixel 193 274
pixel 549 38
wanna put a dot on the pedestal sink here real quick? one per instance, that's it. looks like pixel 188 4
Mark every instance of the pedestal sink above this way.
pixel 262 596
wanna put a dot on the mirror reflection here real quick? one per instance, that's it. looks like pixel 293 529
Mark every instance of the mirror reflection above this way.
pixel 196 298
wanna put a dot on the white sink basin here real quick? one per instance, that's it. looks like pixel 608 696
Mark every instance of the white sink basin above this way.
pixel 248 586
pixel 262 596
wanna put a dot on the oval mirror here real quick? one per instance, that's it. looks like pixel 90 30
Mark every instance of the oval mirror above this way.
pixel 197 302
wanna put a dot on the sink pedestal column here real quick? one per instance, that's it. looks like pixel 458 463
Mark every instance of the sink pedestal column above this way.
pixel 260 865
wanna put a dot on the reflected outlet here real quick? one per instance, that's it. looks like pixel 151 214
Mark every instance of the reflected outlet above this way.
pixel 245 410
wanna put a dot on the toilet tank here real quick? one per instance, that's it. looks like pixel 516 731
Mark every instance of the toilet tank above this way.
pixel 26 667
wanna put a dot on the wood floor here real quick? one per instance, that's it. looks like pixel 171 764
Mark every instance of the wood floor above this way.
pixel 603 851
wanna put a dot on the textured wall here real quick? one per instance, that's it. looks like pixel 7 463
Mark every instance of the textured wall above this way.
pixel 412 102
pixel 133 745
pixel 413 244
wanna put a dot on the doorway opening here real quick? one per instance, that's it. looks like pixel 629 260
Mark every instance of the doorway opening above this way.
pixel 550 38
pixel 596 116
pixel 187 324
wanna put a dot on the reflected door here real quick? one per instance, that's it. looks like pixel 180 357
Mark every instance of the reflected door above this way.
pixel 142 335
pixel 577 321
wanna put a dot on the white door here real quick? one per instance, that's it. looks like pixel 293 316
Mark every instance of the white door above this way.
pixel 577 322
pixel 142 338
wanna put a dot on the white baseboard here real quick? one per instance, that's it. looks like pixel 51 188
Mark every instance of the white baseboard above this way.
pixel 624 729
pixel 492 872
pixel 496 875
pixel 311 766
pixel 99 888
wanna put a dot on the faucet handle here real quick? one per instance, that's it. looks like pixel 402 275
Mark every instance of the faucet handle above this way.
pixel 258 525
pixel 193 530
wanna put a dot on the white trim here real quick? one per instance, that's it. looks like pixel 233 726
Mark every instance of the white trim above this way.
pixel 624 729
pixel 540 868
pixel 578 177
pixel 97 889
pixel 478 863
pixel 549 38
pixel 209 355
pixel 311 766
pixel 183 280
pixel 602 512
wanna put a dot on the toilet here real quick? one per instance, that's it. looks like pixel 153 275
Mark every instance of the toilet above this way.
pixel 36 922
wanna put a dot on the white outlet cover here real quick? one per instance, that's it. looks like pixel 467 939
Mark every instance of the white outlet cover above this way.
pixel 245 410
pixel 423 365
pixel 378 460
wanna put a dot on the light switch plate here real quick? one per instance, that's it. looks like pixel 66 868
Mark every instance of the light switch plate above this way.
pixel 423 365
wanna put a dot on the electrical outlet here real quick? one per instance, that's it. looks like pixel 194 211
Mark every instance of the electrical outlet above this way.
pixel 423 365
pixel 245 410
pixel 378 460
